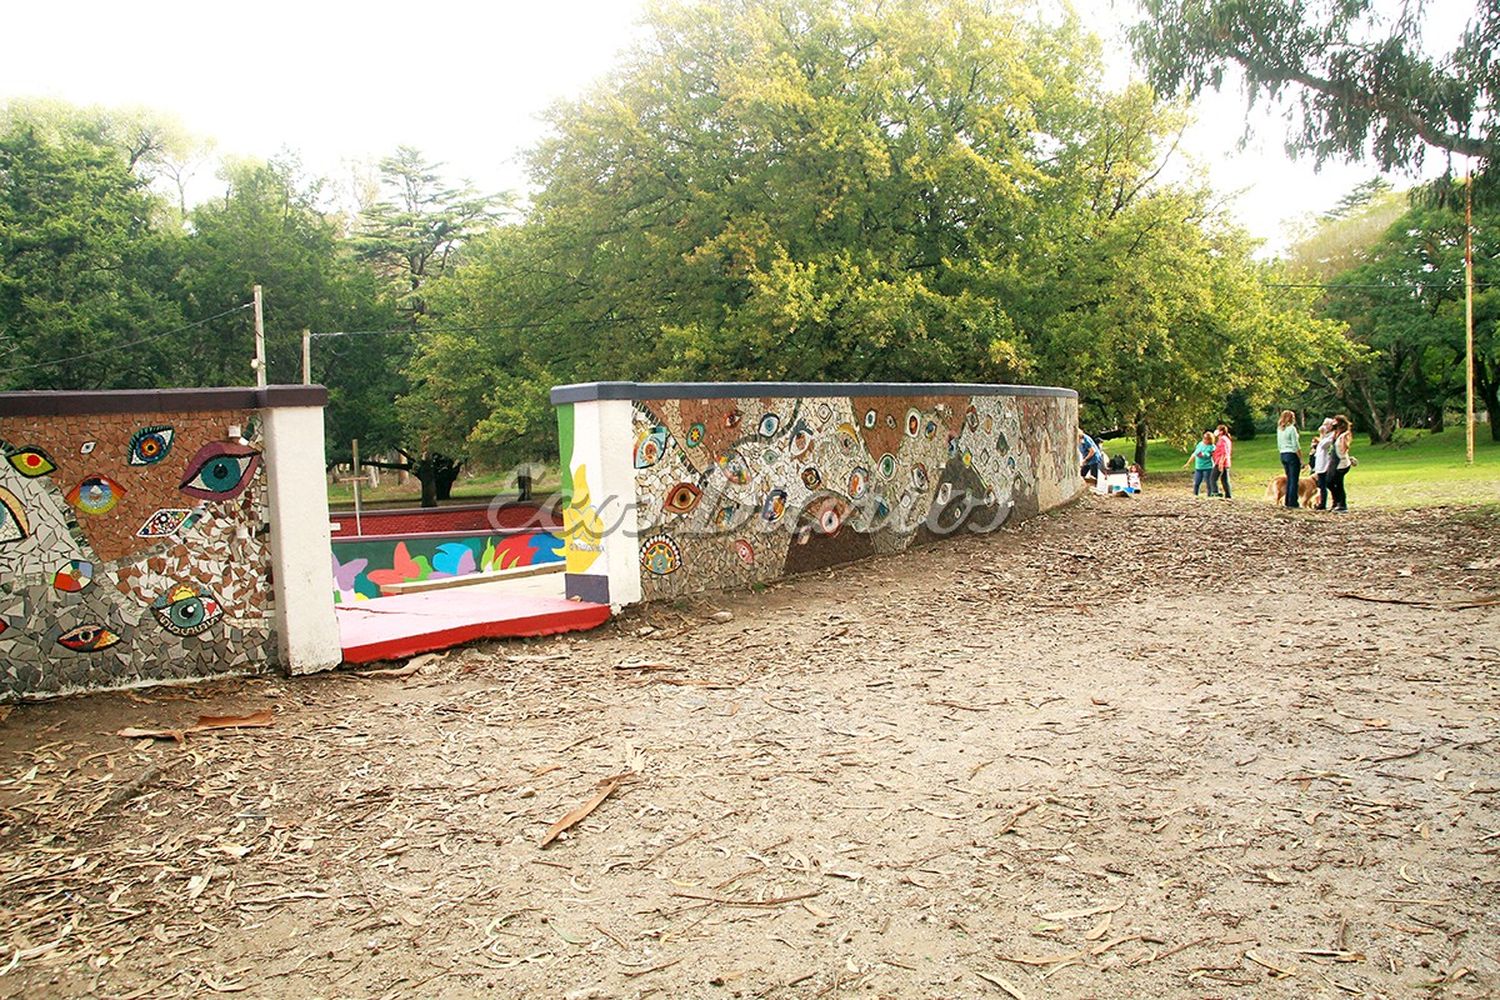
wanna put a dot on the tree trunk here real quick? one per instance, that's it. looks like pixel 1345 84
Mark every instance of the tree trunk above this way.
pixel 1140 443
pixel 446 473
pixel 423 472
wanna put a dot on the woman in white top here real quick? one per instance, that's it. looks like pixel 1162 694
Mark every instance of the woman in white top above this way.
pixel 1339 462
pixel 1321 460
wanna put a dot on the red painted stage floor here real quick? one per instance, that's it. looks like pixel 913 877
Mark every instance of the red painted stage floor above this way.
pixel 392 628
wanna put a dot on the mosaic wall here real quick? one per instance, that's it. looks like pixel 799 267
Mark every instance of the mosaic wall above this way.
pixel 734 491
pixel 133 547
pixel 362 566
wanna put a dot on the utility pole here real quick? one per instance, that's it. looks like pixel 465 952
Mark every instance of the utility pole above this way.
pixel 306 356
pixel 259 364
pixel 1469 314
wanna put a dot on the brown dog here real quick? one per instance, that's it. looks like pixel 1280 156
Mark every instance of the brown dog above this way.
pixel 1307 489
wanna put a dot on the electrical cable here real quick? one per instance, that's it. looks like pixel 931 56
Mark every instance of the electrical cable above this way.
pixel 133 343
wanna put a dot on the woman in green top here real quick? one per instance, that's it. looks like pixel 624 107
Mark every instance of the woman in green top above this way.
pixel 1202 461
pixel 1290 444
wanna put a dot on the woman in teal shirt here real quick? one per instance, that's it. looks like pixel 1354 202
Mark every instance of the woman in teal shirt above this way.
pixel 1290 444
pixel 1202 461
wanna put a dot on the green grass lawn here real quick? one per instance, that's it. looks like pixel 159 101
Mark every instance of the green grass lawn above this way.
pixel 1418 469
pixel 479 488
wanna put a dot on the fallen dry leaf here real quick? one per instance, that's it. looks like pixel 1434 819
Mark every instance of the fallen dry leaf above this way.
pixel 255 720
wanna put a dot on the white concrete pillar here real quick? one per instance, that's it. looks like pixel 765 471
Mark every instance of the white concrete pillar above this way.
pixel 600 531
pixel 307 632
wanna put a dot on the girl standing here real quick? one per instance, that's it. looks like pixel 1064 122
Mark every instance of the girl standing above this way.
pixel 1202 461
pixel 1340 462
pixel 1290 444
pixel 1223 450
pixel 1320 460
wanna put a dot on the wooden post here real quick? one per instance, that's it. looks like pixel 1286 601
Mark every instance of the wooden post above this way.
pixel 306 356
pixel 259 364
pixel 354 460
pixel 1469 315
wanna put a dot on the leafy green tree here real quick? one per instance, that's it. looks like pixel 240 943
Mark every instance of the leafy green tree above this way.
pixel 1359 81
pixel 411 236
pixel 1403 304
pixel 85 267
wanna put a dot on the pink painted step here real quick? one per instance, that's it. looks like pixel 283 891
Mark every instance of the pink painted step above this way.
pixel 393 628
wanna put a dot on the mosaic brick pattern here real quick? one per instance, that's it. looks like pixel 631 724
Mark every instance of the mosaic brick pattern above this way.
pixel 133 547
pixel 732 491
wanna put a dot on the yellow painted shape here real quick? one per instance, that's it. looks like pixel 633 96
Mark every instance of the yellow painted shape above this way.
pixel 583 531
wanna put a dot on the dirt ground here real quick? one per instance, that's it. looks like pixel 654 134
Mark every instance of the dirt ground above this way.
pixel 1133 749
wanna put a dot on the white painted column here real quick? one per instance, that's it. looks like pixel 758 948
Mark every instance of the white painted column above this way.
pixel 307 632
pixel 600 529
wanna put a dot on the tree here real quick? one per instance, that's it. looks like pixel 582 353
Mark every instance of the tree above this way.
pixel 1360 83
pixel 779 189
pixel 413 236
pixel 269 228
pixel 85 266
pixel 1403 304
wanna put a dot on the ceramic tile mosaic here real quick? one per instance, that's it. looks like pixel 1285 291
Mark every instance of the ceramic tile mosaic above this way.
pixel 133 547
pixel 731 491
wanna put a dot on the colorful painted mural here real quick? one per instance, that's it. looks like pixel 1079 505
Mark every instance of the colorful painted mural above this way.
pixel 133 547
pixel 361 566
pixel 734 490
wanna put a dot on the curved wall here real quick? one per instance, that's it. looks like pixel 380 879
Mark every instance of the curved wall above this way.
pixel 739 483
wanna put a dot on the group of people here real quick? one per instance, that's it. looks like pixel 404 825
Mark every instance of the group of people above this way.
pixel 1211 460
pixel 1329 459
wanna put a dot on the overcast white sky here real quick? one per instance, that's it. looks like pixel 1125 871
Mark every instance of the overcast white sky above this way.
pixel 464 82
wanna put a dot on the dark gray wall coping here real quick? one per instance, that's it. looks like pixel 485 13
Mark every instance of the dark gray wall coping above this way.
pixel 585 392
pixel 48 403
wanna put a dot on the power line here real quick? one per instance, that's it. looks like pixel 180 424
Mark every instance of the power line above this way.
pixel 424 331
pixel 133 343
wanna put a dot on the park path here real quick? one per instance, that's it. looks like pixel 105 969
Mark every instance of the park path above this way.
pixel 1135 748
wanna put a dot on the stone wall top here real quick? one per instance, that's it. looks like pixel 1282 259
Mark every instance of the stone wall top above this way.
pixel 583 392
pixel 48 403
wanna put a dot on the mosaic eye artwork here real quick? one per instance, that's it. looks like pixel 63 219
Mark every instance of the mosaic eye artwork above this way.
pixel 87 448
pixel 220 471
pixel 1001 444
pixel 801 441
pixel 13 523
pixel 149 445
pixel 870 419
pixel 859 481
pixel 887 465
pixel 96 495
pixel 768 425
pixel 73 577
pixel 682 498
pixel 725 515
pixel 745 551
pixel 971 418
pixel 184 610
pixel 734 468
pixel 930 428
pixel 31 462
pixel 919 476
pixel 168 522
pixel 695 435
pixel 913 423
pixel 848 439
pixel 732 419
pixel 650 447
pixel 811 478
pixel 660 555
pixel 87 638
pixel 774 506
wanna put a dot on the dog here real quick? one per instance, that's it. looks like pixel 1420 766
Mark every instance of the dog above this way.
pixel 1307 490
